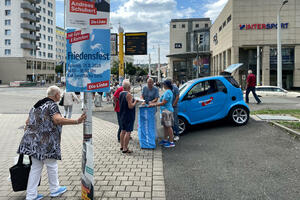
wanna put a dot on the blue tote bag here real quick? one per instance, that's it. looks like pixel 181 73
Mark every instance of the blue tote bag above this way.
pixel 147 128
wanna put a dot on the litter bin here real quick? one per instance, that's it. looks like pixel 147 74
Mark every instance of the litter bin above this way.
pixel 147 127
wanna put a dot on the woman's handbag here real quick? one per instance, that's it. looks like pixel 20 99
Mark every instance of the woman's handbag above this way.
pixel 61 102
pixel 19 174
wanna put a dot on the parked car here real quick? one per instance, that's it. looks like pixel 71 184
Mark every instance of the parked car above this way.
pixel 262 91
pixel 210 99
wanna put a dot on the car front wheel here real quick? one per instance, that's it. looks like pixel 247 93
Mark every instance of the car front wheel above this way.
pixel 239 115
pixel 182 125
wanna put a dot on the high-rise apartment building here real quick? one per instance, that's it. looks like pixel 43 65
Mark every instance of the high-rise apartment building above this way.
pixel 27 40
pixel 60 46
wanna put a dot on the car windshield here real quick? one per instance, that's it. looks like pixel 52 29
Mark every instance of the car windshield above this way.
pixel 183 88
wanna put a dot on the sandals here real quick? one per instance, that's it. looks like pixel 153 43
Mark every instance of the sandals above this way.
pixel 127 151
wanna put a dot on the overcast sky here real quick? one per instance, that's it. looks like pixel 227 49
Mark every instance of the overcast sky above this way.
pixel 153 16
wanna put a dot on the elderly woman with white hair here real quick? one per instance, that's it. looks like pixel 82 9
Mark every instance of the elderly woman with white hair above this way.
pixel 127 116
pixel 41 141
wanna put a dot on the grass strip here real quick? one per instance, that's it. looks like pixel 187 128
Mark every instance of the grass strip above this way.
pixel 293 125
pixel 295 113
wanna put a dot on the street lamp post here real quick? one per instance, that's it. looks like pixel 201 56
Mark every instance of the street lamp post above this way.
pixel 279 55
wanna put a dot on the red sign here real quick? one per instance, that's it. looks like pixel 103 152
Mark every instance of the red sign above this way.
pixel 98 21
pixel 99 85
pixel 78 6
pixel 77 37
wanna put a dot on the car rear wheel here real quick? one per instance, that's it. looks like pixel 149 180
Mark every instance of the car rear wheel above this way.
pixel 182 125
pixel 239 115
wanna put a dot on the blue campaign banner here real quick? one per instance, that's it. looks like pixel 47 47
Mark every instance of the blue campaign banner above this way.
pixel 88 60
pixel 147 127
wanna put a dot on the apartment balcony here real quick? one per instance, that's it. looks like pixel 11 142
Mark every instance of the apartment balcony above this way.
pixel 38 19
pixel 29 36
pixel 27 46
pixel 35 1
pixel 29 17
pixel 29 7
pixel 29 27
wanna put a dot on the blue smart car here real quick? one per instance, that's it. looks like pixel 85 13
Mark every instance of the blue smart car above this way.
pixel 210 99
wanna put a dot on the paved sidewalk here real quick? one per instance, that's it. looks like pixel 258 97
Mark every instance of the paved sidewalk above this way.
pixel 117 176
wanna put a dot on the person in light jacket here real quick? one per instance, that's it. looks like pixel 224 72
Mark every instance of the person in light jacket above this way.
pixel 69 99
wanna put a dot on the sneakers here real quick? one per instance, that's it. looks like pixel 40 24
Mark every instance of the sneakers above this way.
pixel 176 138
pixel 39 196
pixel 163 142
pixel 60 191
pixel 169 144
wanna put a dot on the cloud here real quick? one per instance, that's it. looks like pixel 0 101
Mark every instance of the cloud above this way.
pixel 152 16
pixel 214 8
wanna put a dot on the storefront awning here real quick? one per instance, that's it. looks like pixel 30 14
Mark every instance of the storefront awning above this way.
pixel 189 54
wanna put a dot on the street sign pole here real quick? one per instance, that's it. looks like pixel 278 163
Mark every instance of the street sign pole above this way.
pixel 87 179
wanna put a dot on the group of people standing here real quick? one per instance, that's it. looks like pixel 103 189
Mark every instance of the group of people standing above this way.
pixel 124 105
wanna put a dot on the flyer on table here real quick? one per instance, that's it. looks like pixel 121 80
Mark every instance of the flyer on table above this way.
pixel 88 60
pixel 88 13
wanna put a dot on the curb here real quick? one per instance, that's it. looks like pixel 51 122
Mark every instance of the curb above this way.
pixel 288 130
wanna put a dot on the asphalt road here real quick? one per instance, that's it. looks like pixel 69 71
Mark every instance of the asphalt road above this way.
pixel 219 161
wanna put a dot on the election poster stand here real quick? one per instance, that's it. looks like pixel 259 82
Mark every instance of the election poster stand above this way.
pixel 88 69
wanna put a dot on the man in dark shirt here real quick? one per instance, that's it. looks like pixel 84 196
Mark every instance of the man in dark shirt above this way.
pixel 251 83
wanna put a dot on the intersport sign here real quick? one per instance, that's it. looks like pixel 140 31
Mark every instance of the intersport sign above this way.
pixel 262 26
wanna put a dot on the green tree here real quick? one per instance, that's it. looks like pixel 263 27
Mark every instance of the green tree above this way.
pixel 59 69
pixel 130 69
pixel 115 68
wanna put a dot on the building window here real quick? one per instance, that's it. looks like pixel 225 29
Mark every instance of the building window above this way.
pixel 44 45
pixel 7 32
pixel 7 42
pixel 206 25
pixel 44 36
pixel 224 24
pixel 44 19
pixel 7 52
pixel 50 55
pixel 197 26
pixel 183 25
pixel 28 64
pixel 44 10
pixel 7 2
pixel 50 22
pixel 44 54
pixel 40 54
pixel 50 5
pixel 174 25
pixel 7 12
pixel 220 28
pixel 228 19
pixel 50 47
pixel 44 2
pixel 44 28
pixel 7 22
pixel 50 13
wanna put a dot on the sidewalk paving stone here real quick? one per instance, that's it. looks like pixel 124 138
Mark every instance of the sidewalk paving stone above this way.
pixel 117 175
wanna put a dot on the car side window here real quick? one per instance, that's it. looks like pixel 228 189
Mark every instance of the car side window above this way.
pixel 220 86
pixel 202 89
